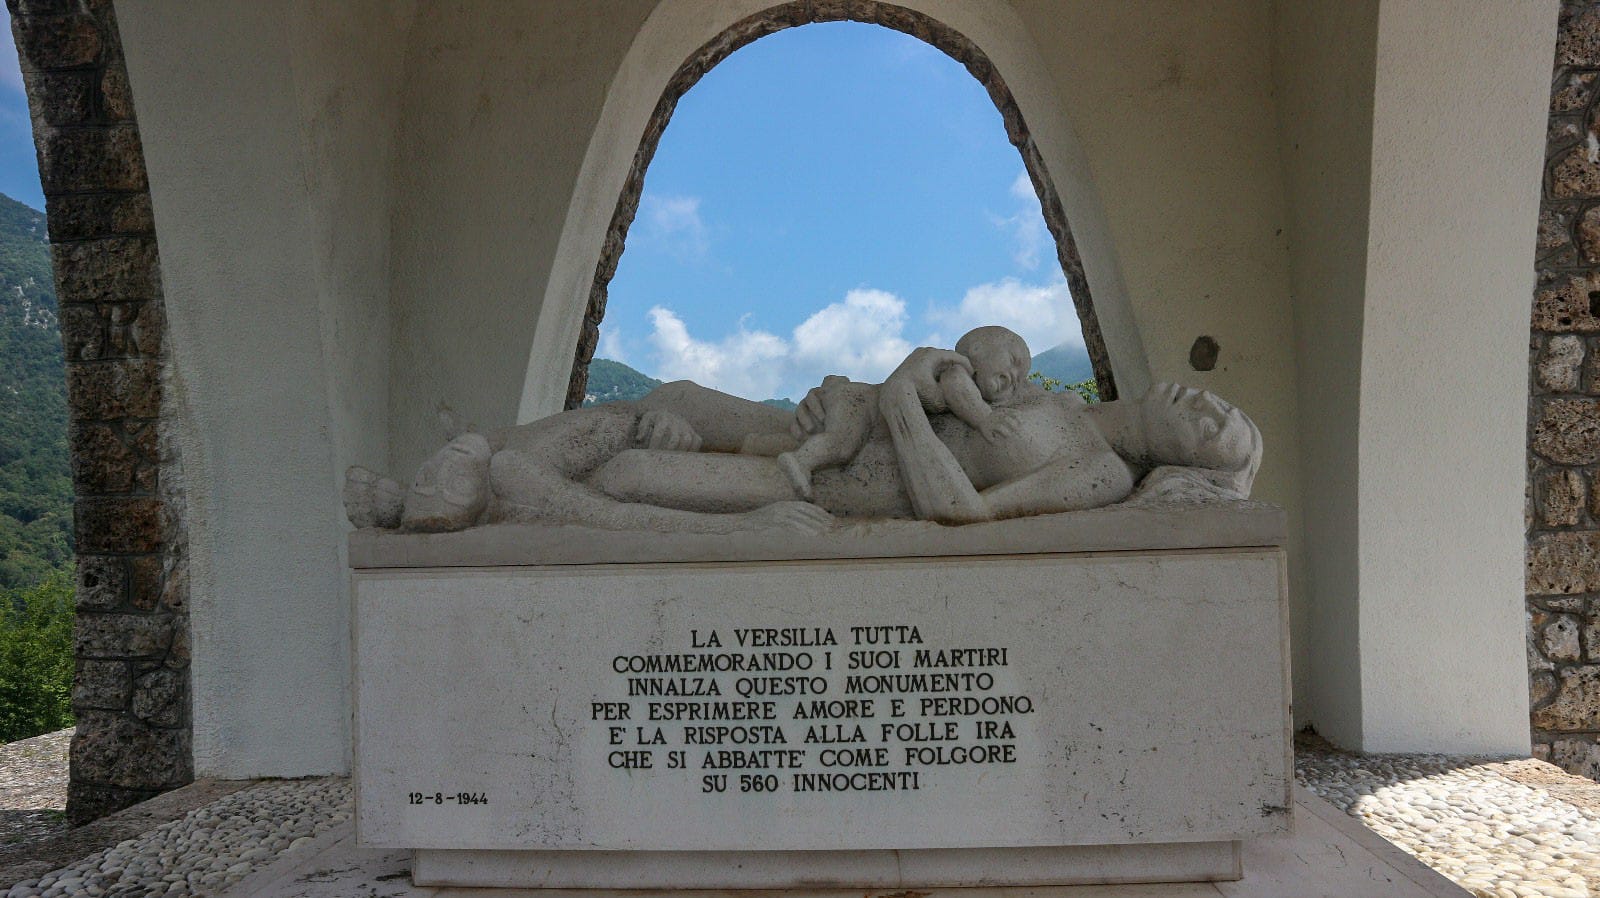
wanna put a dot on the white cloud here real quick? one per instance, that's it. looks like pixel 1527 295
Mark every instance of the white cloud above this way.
pixel 859 338
pixel 745 363
pixel 863 337
pixel 1022 189
pixel 1030 239
pixel 1042 313
pixel 611 344
pixel 672 223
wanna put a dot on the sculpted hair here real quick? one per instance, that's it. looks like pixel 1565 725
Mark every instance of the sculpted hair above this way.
pixel 1187 483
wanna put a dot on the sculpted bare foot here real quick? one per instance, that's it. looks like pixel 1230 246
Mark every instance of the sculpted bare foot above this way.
pixel 451 489
pixel 371 500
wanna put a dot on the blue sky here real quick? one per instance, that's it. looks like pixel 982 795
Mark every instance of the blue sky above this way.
pixel 823 201
pixel 19 168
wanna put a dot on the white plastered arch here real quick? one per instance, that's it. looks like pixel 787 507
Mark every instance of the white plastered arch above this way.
pixel 673 32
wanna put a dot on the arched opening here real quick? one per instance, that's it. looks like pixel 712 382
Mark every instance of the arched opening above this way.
pixel 790 15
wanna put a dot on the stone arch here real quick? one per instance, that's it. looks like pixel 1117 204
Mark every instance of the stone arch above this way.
pixel 674 25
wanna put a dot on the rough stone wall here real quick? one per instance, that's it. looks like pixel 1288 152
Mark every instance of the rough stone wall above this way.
pixel 131 690
pixel 806 12
pixel 1563 513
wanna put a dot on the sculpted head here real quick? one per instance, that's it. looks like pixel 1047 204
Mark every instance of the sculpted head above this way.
pixel 1000 360
pixel 451 488
pixel 1196 430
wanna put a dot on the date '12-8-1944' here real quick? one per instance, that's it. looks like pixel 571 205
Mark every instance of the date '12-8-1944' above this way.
pixel 462 798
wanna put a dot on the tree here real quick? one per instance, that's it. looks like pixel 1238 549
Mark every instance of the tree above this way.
pixel 1088 389
pixel 36 657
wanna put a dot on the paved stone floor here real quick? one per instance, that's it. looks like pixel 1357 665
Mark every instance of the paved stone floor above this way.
pixel 1500 828
pixel 36 841
pixel 1329 856
pixel 33 788
pixel 1506 829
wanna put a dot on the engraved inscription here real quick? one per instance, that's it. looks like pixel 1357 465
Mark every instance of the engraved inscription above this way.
pixel 809 709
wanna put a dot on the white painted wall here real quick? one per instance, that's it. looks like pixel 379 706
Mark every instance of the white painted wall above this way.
pixel 500 102
pixel 1323 65
pixel 369 211
pixel 266 137
pixel 1413 186
pixel 1174 106
pixel 1180 231
pixel 519 126
pixel 1456 163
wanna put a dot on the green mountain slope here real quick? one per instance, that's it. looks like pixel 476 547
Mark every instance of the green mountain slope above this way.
pixel 615 382
pixel 35 480
pixel 1066 363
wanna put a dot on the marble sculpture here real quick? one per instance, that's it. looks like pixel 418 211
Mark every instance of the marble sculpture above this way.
pixel 952 437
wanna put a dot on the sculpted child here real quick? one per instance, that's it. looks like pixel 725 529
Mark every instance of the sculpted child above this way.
pixel 989 371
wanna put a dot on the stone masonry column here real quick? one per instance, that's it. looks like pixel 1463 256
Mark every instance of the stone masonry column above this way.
pixel 1563 515
pixel 131 690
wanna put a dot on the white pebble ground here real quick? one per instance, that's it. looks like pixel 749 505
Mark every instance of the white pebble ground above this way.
pixel 1489 826
pixel 209 849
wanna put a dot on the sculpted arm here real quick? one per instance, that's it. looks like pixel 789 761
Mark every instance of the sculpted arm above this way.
pixel 530 489
pixel 939 489
pixel 1084 474
pixel 541 473
pixel 1066 483
pixel 721 421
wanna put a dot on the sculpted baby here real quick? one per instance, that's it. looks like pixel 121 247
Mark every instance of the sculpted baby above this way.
pixel 988 372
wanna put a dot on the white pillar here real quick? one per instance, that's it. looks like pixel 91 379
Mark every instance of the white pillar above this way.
pixel 1459 109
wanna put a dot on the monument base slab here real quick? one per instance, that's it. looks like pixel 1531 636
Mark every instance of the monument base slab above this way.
pixel 884 869
pixel 876 721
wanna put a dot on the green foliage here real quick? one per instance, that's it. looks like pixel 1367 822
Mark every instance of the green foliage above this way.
pixel 36 591
pixel 615 382
pixel 35 479
pixel 36 658
pixel 1088 389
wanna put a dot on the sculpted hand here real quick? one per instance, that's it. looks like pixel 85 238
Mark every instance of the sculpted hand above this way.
pixel 659 429
pixel 800 516
pixel 1001 424
pixel 810 416
pixel 925 364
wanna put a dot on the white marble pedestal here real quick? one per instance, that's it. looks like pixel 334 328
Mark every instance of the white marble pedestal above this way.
pixel 1078 698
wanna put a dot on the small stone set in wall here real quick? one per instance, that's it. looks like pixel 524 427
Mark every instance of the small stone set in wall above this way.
pixel 1563 513
pixel 806 12
pixel 131 691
